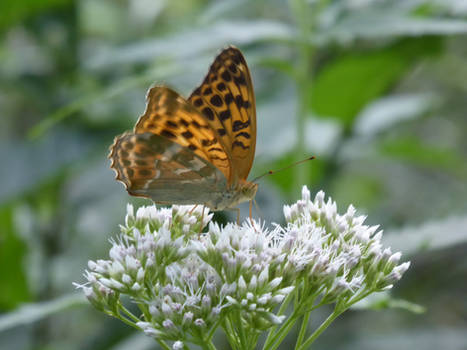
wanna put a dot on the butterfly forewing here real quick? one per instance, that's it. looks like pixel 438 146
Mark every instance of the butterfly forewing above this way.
pixel 226 99
pixel 153 166
pixel 168 114
pixel 195 151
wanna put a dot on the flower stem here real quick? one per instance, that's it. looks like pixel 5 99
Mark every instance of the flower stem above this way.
pixel 301 334
pixel 128 313
pixel 281 311
pixel 241 331
pixel 230 333
pixel 337 311
pixel 278 337
pixel 162 344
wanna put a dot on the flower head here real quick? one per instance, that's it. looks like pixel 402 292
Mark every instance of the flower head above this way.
pixel 188 283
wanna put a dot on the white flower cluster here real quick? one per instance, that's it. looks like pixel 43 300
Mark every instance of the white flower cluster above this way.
pixel 186 284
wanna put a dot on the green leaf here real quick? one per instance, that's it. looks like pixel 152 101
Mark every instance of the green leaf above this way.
pixel 192 42
pixel 13 281
pixel 12 11
pixel 386 22
pixel 414 151
pixel 343 87
pixel 381 301
pixel 432 235
pixel 387 112
pixel 30 313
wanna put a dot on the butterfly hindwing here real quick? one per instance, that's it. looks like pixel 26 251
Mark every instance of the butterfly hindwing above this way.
pixel 226 99
pixel 153 166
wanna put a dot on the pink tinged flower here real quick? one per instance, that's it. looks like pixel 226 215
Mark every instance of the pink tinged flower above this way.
pixel 394 259
pixel 199 322
pixel 187 317
pixel 168 324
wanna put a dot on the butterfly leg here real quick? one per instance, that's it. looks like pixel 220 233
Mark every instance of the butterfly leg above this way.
pixel 193 209
pixel 251 216
pixel 238 215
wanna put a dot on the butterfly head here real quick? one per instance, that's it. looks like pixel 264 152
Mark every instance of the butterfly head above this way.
pixel 248 191
pixel 242 192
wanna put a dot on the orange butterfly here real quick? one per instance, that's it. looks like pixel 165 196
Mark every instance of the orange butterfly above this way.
pixel 195 151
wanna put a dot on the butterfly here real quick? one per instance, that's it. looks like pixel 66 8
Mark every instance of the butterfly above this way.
pixel 197 150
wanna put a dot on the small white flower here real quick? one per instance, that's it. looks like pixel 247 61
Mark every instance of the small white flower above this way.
pixel 394 259
pixel 178 345
pixel 136 287
pixel 126 279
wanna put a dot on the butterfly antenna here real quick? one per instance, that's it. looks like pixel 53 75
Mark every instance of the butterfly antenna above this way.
pixel 270 172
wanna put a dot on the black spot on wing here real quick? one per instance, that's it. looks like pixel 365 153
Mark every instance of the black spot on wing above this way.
pixel 233 68
pixel 187 134
pixel 239 144
pixel 225 115
pixel 239 101
pixel 239 125
pixel 198 102
pixel 244 134
pixel 228 98
pixel 171 124
pixel 240 80
pixel 168 134
pixel 216 101
pixel 208 113
pixel 207 91
pixel 226 76
pixel 221 86
pixel 207 143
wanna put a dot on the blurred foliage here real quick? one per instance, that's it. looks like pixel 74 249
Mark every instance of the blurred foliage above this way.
pixel 375 89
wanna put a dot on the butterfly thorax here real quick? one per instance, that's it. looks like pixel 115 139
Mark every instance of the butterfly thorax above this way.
pixel 242 192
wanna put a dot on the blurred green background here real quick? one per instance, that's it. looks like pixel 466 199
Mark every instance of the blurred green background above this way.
pixel 375 89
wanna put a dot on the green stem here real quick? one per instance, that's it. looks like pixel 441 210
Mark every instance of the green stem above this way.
pixel 163 345
pixel 128 313
pixel 213 329
pixel 301 334
pixel 321 328
pixel 241 331
pixel 123 319
pixel 281 311
pixel 279 336
pixel 207 345
pixel 230 333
